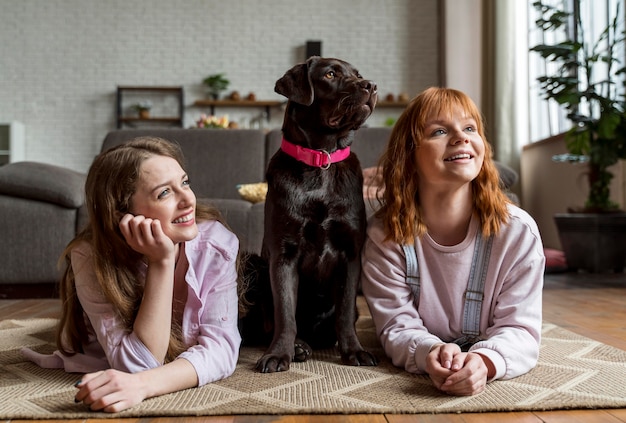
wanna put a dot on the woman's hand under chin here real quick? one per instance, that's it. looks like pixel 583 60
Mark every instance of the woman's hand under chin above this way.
pixel 146 236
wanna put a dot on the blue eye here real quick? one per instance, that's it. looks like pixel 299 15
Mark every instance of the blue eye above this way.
pixel 163 193
pixel 470 129
pixel 439 132
pixel 186 182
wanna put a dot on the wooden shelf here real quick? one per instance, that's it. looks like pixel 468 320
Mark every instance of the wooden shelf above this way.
pixel 172 120
pixel 266 104
pixel 157 88
pixel 275 103
pixel 159 92
pixel 238 103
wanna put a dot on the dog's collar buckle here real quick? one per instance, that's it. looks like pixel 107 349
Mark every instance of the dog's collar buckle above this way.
pixel 329 160
pixel 316 158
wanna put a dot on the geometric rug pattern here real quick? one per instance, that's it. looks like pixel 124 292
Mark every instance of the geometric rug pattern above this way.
pixel 573 372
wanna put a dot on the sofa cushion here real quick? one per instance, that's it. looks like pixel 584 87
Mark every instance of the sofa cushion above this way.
pixel 43 182
pixel 217 160
pixel 369 144
pixel 235 214
pixel 29 252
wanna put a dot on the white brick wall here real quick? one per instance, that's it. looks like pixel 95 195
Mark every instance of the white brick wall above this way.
pixel 61 60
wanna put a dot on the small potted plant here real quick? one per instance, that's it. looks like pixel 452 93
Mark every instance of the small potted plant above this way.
pixel 216 83
pixel 142 108
pixel 597 137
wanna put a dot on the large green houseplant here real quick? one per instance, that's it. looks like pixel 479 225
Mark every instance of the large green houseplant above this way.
pixel 595 105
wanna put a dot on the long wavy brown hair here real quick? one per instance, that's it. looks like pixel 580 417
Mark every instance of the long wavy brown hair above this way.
pixel 110 184
pixel 400 210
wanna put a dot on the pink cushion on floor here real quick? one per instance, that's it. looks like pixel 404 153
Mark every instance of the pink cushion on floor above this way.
pixel 555 260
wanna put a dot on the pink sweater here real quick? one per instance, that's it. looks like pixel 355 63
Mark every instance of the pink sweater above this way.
pixel 209 318
pixel 510 322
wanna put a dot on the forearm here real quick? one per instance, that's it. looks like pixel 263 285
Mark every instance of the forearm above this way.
pixel 113 391
pixel 172 377
pixel 154 318
pixel 401 331
pixel 398 324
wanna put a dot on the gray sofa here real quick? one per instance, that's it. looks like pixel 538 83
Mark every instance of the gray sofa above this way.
pixel 41 205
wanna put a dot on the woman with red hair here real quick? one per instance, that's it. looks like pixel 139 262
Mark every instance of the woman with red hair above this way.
pixel 452 270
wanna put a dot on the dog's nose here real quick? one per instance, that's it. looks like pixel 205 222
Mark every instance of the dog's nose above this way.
pixel 369 86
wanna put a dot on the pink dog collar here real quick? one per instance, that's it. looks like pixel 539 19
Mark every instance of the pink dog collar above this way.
pixel 315 158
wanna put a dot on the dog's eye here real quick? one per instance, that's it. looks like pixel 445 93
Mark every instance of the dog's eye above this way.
pixel 329 75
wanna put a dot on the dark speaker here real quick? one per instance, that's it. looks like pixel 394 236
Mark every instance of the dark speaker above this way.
pixel 313 48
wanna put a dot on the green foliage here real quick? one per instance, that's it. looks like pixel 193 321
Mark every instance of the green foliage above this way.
pixel 390 122
pixel 216 83
pixel 598 134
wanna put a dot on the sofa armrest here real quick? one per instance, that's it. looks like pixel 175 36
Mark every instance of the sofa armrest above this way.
pixel 43 182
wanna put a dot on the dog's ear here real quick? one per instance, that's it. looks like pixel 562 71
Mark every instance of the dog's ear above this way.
pixel 296 84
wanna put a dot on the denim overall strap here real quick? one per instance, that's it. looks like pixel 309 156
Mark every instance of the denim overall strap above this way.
pixel 474 293
pixel 412 272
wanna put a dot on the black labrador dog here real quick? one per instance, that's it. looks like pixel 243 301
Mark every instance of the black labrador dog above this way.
pixel 315 215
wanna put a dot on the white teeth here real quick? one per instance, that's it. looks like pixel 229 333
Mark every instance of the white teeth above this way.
pixel 458 156
pixel 183 219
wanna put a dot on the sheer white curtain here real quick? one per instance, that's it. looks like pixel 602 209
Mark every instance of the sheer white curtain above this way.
pixel 514 108
pixel 506 78
pixel 548 118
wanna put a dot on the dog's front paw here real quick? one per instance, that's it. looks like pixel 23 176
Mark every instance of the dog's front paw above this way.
pixel 359 358
pixel 302 351
pixel 270 363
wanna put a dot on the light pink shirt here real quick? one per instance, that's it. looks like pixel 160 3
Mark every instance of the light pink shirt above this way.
pixel 209 317
pixel 510 321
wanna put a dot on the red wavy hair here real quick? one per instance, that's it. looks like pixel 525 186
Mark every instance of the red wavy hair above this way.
pixel 400 211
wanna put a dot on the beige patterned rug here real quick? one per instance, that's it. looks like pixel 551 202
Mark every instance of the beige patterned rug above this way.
pixel 573 372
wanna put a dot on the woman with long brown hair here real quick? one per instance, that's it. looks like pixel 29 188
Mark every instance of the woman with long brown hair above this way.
pixel 452 270
pixel 149 292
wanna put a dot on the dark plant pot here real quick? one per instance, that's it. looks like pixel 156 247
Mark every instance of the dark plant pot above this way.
pixel 593 242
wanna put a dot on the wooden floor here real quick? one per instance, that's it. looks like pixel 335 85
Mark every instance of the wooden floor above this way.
pixel 591 305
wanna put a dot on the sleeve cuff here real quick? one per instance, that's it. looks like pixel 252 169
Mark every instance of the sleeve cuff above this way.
pixel 421 352
pixel 496 359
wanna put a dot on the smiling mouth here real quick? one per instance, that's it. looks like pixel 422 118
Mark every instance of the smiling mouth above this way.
pixel 184 219
pixel 458 157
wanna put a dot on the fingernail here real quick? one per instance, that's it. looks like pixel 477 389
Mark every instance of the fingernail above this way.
pixel 76 400
pixel 447 364
pixel 78 382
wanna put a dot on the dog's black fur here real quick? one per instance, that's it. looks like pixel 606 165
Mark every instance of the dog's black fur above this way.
pixel 315 218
